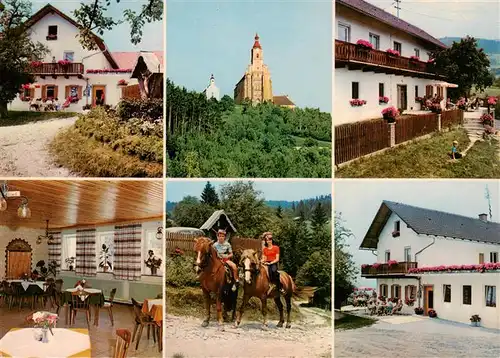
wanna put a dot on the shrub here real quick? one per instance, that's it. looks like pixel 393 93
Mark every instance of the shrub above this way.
pixel 179 271
pixel 149 109
pixel 317 272
pixel 390 113
pixel 432 314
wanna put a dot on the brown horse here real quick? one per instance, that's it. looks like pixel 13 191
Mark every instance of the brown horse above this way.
pixel 257 285
pixel 212 276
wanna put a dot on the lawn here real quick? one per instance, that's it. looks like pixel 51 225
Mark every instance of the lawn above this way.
pixel 22 117
pixel 428 158
pixel 353 322
pixel 490 91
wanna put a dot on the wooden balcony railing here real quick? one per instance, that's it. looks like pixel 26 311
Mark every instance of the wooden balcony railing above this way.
pixel 49 69
pixel 400 268
pixel 349 52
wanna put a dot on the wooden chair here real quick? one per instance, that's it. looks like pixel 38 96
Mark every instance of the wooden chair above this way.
pixel 49 295
pixel 80 302
pixel 109 305
pixel 141 321
pixel 58 294
pixel 122 343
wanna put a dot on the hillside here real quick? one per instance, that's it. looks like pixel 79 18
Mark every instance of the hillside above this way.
pixel 488 46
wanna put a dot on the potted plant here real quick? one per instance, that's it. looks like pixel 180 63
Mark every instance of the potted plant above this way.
pixel 432 313
pixel 419 310
pixel 364 46
pixel 105 263
pixel 392 262
pixel 44 271
pixel 475 320
pixel 390 114
pixel 153 262
pixel 395 233
pixel 53 268
pixel 487 119
pixel 383 100
pixel 393 53
pixel 70 261
pixel 415 58
pixel 357 102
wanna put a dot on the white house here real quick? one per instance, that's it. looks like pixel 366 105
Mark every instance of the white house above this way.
pixel 212 91
pixel 446 262
pixel 70 71
pixel 368 74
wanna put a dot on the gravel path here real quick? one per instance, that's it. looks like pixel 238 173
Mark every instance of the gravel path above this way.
pixel 309 338
pixel 23 149
pixel 423 338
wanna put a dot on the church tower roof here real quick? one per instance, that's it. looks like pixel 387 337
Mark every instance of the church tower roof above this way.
pixel 256 44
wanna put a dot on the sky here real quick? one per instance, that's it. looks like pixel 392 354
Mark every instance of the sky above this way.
pixel 359 201
pixel 450 17
pixel 289 190
pixel 215 37
pixel 117 39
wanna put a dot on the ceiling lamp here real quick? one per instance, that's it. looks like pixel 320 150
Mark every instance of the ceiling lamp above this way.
pixel 159 233
pixel 24 212
pixel 47 236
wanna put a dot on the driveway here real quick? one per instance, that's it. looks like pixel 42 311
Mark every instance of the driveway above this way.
pixel 413 336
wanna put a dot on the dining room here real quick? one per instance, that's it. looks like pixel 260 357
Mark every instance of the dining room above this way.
pixel 83 267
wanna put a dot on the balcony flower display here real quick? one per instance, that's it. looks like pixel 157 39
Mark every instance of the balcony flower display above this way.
pixel 364 266
pixel 36 64
pixel 122 83
pixel 478 268
pixel 390 113
pixel 376 265
pixel 392 262
pixel 383 99
pixel 487 119
pixel 392 52
pixel 415 58
pixel 109 70
pixel 364 44
pixel 357 102
pixel 409 301
pixel 64 62
pixel 26 86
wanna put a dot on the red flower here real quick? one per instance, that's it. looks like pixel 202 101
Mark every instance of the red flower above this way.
pixel 364 43
pixel 393 52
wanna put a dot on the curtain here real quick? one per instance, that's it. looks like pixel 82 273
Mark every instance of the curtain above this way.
pixel 491 299
pixel 55 250
pixel 128 252
pixel 85 253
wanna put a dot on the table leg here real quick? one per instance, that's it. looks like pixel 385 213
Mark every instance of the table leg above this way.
pixel 96 317
pixel 66 312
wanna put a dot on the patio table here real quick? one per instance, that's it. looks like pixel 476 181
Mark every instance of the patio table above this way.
pixel 20 342
pixel 96 300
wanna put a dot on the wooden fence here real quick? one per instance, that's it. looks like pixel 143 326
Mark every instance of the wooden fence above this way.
pixel 185 242
pixel 452 118
pixel 354 140
pixel 131 92
pixel 409 127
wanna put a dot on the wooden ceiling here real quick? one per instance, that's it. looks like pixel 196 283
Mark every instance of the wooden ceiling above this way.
pixel 73 203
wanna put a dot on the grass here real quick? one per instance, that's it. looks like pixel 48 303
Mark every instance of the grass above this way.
pixel 353 322
pixel 188 301
pixel 428 158
pixel 16 118
pixel 490 91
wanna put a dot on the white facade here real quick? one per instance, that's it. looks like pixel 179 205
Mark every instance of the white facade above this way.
pixel 351 26
pixel 212 91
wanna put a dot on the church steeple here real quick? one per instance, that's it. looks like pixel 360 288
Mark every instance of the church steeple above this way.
pixel 257 53
pixel 256 44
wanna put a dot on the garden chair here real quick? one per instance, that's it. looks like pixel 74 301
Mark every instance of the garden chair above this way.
pixel 123 339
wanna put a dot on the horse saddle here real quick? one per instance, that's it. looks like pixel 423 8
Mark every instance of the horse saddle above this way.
pixel 229 272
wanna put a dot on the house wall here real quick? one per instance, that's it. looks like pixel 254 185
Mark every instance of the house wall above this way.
pixel 456 310
pixel 40 252
pixel 464 252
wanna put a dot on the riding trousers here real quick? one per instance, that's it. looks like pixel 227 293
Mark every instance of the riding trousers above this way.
pixel 274 275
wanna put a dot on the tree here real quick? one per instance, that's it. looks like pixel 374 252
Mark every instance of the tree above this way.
pixel 464 64
pixel 16 51
pixel 319 217
pixel 345 268
pixel 279 212
pixel 190 212
pixel 209 195
pixel 317 272
pixel 93 19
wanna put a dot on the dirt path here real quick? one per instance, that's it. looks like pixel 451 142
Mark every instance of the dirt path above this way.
pixel 312 337
pixel 23 149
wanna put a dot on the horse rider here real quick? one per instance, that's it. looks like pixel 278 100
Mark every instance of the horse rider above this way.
pixel 270 258
pixel 225 254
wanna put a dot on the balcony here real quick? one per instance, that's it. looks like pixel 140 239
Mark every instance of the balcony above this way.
pixel 56 69
pixel 397 269
pixel 358 58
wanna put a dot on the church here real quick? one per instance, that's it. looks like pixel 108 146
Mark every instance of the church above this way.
pixel 212 91
pixel 256 84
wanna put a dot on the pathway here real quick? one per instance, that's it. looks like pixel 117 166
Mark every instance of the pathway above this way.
pixel 23 149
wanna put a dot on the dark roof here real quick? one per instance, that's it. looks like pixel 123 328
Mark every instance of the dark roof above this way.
pixel 49 9
pixel 282 101
pixel 389 19
pixel 431 222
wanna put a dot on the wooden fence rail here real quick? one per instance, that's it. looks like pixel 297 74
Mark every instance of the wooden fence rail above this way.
pixel 131 92
pixel 415 126
pixel 452 118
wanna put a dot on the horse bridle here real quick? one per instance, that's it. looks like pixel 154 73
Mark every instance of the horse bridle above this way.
pixel 204 262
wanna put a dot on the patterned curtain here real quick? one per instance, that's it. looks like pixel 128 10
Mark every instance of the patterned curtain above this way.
pixel 85 253
pixel 128 252
pixel 55 250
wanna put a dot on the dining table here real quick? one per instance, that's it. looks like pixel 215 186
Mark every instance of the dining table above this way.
pixel 96 300
pixel 64 342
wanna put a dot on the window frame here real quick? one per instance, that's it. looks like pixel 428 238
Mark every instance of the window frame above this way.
pixel 64 237
pixel 481 258
pixel 395 46
pixel 354 88
pixel 386 287
pixel 381 89
pixel 53 87
pixel 65 53
pixel 387 255
pixel 486 296
pixel 469 303
pixel 346 27
pixel 493 256
pixel 445 287
pixel 417 52
pixel 371 35
pixel 52 27
pixel 407 253
pixel 416 91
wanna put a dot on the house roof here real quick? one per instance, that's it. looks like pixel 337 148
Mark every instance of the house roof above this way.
pixel 389 19
pixel 49 9
pixel 431 222
pixel 282 101
pixel 129 59
pixel 147 60
pixel 214 218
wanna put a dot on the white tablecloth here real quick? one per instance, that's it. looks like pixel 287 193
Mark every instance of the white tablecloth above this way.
pixel 27 284
pixel 89 290
pixel 64 343
pixel 158 301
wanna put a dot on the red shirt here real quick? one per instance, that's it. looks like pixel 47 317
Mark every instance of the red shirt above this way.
pixel 271 253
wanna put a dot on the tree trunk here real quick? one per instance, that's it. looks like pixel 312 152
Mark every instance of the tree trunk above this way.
pixel 3 110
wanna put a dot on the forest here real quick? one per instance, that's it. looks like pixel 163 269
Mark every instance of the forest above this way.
pixel 305 244
pixel 210 138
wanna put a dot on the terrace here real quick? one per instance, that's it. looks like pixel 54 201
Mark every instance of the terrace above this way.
pixel 387 269
pixel 365 59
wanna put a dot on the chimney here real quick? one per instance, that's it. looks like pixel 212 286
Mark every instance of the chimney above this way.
pixel 483 217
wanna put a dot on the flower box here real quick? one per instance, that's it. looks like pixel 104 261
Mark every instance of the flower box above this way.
pixel 487 119
pixel 383 100
pixel 392 263
pixel 415 58
pixel 364 45
pixel 357 102
pixel 51 37
pixel 393 53
pixel 492 101
pixel 109 70
pixel 64 62
pixel 36 64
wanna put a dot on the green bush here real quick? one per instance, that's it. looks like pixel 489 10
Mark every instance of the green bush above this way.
pixel 149 109
pixel 317 272
pixel 180 272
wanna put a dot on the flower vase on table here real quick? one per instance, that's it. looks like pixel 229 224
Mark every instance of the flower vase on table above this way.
pixel 45 338
pixel 45 321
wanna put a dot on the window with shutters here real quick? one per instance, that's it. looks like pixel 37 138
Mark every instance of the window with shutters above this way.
pixel 410 292
pixel 398 47
pixel 383 290
pixel 467 295
pixel 396 291
pixel 50 91
pixel 491 296
pixel 447 293
pixel 343 32
pixel 493 257
pixel 428 90
pixel 355 90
